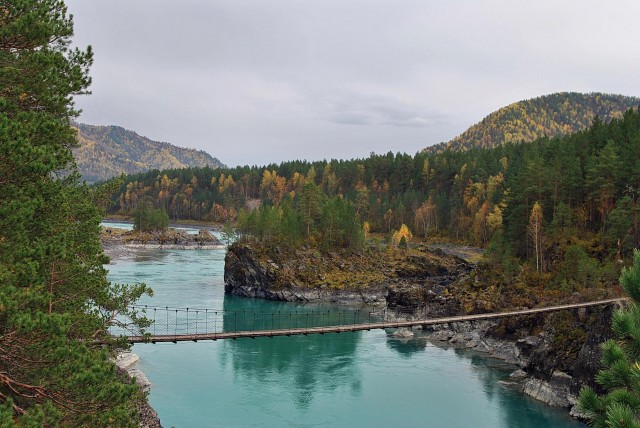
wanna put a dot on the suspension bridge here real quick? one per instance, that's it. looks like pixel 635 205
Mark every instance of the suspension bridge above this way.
pixel 184 324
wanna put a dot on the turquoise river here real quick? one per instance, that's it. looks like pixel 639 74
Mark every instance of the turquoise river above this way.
pixel 365 379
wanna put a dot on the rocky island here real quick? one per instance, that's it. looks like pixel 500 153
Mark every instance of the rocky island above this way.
pixel 117 242
pixel 341 276
pixel 556 353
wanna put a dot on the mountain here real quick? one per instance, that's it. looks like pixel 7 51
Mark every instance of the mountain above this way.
pixel 108 151
pixel 550 115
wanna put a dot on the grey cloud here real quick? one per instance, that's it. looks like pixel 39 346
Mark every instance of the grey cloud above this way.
pixel 347 107
pixel 259 81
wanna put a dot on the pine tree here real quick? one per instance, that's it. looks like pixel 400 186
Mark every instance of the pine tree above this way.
pixel 310 205
pixel 620 377
pixel 54 296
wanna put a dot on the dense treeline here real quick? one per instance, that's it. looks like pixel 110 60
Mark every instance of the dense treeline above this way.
pixel 551 115
pixel 309 217
pixel 574 197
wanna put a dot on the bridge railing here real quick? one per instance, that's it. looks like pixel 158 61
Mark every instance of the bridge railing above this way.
pixel 192 321
pixel 173 324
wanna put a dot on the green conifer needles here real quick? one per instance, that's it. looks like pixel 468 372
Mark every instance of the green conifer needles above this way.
pixel 54 296
pixel 620 376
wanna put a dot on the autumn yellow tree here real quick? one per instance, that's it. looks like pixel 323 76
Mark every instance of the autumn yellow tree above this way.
pixel 535 232
pixel 362 199
pixel 329 180
pixel 425 217
pixel 388 216
pixel 295 183
pixel 398 235
pixel 273 186
pixel 494 219
pixel 366 229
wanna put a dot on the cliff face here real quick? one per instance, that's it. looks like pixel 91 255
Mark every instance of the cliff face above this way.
pixel 246 275
pixel 558 353
pixel 407 278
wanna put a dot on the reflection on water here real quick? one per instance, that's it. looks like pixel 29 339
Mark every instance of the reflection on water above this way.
pixel 514 408
pixel 306 363
pixel 351 379
pixel 406 347
pixel 242 314
pixel 295 358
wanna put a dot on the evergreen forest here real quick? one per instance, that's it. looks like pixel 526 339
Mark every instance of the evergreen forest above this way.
pixel 557 216
pixel 56 305
pixel 567 207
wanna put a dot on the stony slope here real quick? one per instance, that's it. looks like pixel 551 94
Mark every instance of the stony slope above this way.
pixel 550 115
pixel 108 151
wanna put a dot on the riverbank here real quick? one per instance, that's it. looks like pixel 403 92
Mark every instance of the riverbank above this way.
pixel 125 362
pixel 191 224
pixel 120 243
pixel 556 353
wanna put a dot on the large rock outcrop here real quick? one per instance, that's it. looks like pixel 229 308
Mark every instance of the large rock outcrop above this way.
pixel 400 279
pixel 168 239
pixel 246 275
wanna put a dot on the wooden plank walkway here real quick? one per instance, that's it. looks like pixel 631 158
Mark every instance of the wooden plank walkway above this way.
pixel 359 327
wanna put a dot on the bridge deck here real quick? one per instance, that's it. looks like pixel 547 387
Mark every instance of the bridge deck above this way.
pixel 359 327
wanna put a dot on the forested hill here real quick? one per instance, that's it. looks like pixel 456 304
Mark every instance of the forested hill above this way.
pixel 108 151
pixel 550 115
pixel 567 206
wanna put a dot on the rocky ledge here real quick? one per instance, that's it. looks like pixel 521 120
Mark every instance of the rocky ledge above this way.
pixel 557 353
pixel 124 362
pixel 169 239
pixel 370 276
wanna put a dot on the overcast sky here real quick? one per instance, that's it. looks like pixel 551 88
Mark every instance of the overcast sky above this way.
pixel 259 81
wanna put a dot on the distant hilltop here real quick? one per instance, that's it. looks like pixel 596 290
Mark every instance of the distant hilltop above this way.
pixel 108 151
pixel 550 115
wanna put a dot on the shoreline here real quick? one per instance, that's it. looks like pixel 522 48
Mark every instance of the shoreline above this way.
pixel 536 345
pixel 120 243
pixel 121 251
pixel 527 351
pixel 217 227
pixel 556 353
pixel 125 362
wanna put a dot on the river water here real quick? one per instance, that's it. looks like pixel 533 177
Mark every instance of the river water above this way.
pixel 364 379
